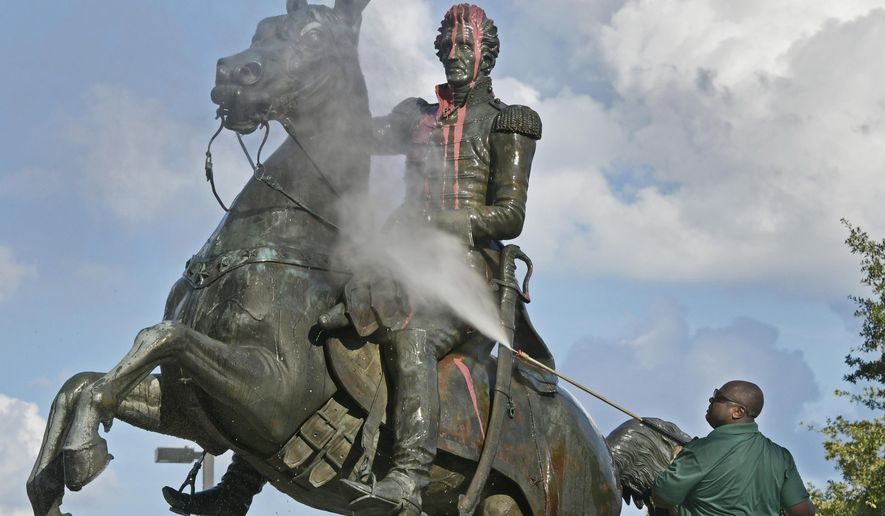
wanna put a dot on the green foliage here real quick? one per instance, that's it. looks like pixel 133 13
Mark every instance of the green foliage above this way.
pixel 858 446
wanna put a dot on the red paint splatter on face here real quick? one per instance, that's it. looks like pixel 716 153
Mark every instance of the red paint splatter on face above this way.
pixel 465 372
pixel 454 11
pixel 477 17
pixel 462 16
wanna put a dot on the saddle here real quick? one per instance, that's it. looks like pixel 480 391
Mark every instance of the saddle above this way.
pixel 340 440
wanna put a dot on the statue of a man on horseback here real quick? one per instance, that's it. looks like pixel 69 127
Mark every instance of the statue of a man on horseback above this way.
pixel 243 366
pixel 469 157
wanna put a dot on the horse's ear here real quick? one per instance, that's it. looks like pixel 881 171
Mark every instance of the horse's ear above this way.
pixel 294 5
pixel 351 11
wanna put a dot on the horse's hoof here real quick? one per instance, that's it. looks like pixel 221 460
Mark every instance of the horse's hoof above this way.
pixel 83 464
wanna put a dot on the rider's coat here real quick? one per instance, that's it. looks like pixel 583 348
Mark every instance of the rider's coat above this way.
pixel 467 166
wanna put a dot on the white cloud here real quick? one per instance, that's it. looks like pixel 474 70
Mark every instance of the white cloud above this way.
pixel 730 142
pixel 21 432
pixel 397 54
pixel 660 366
pixel 736 138
pixel 12 273
pixel 141 163
pixel 134 153
pixel 31 183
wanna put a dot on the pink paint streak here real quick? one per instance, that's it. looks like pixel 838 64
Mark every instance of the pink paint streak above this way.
pixel 408 319
pixel 460 116
pixel 465 372
pixel 477 16
pixel 454 12
pixel 446 97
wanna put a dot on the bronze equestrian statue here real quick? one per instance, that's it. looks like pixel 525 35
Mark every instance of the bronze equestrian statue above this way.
pixel 244 365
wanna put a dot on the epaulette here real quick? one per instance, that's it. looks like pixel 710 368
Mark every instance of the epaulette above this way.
pixel 518 119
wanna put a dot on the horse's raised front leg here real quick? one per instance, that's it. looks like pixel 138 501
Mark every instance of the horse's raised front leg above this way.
pixel 45 484
pixel 217 367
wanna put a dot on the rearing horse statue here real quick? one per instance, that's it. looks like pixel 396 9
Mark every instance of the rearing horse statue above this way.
pixel 242 367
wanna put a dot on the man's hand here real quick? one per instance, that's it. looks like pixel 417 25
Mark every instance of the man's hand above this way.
pixel 803 508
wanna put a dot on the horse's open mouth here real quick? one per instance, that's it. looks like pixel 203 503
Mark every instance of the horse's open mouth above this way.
pixel 239 123
pixel 241 127
pixel 239 114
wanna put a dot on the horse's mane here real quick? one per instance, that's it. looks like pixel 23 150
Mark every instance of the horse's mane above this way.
pixel 640 454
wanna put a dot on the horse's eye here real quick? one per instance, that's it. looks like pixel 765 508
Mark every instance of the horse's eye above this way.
pixel 249 73
pixel 309 28
pixel 312 36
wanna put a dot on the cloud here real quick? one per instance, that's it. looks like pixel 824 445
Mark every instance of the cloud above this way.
pixel 734 139
pixel 723 145
pixel 12 273
pixel 142 163
pixel 397 54
pixel 21 432
pixel 134 153
pixel 662 367
pixel 30 183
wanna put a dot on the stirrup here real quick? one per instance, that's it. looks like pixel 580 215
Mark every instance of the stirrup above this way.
pixel 368 500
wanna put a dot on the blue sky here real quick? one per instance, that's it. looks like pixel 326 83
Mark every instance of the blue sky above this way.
pixel 683 212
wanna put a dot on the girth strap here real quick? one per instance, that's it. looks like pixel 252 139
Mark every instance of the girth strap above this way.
pixel 201 272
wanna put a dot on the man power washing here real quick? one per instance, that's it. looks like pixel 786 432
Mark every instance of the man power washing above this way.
pixel 735 469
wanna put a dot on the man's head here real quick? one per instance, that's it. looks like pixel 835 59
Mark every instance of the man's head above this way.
pixel 736 401
pixel 467 44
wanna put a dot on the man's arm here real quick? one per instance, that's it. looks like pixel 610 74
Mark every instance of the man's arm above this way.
pixel 392 134
pixel 794 496
pixel 676 482
pixel 803 508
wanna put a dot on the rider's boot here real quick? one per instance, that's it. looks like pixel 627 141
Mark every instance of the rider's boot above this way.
pixel 231 497
pixel 415 427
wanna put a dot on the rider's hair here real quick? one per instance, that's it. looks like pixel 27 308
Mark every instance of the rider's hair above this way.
pixel 469 14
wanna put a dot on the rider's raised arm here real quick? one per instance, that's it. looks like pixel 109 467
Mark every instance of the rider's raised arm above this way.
pixel 393 133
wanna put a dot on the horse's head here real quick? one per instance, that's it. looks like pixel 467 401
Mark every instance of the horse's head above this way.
pixel 297 64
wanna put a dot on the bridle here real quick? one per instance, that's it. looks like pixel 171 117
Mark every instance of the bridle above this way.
pixel 259 172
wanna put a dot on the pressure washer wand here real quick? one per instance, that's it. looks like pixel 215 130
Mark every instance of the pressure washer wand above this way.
pixel 526 358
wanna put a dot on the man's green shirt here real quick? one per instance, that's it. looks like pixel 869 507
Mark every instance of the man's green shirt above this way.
pixel 735 470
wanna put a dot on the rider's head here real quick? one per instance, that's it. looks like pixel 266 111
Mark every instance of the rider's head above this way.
pixel 467 44
pixel 736 401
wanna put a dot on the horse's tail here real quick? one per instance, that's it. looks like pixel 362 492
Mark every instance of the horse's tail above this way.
pixel 640 454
